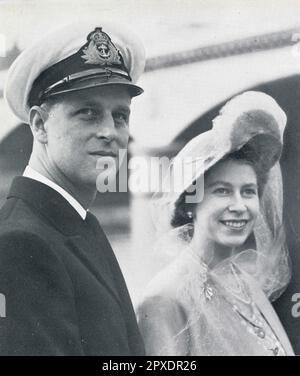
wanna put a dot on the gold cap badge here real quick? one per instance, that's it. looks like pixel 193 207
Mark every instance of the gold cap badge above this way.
pixel 100 49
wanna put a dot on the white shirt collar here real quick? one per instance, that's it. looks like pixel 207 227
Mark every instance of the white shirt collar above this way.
pixel 33 174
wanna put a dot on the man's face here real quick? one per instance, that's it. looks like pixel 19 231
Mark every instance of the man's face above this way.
pixel 84 126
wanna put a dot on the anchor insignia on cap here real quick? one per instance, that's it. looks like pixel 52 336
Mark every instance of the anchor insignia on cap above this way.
pixel 100 49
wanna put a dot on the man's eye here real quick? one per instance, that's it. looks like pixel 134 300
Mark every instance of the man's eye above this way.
pixel 121 117
pixel 89 112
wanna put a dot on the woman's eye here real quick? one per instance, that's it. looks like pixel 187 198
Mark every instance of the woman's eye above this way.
pixel 222 191
pixel 250 192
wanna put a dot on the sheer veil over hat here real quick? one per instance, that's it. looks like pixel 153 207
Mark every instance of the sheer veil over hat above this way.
pixel 255 120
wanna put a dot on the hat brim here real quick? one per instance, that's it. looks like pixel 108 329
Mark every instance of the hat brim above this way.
pixel 263 150
pixel 259 132
pixel 133 90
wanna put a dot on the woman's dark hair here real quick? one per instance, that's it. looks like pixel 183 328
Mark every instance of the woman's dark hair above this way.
pixel 246 155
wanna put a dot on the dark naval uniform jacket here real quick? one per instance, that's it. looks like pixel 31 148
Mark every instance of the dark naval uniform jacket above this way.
pixel 63 288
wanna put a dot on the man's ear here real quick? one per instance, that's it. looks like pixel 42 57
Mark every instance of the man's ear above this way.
pixel 37 119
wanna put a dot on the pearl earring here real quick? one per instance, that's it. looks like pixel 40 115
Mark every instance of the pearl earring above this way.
pixel 189 214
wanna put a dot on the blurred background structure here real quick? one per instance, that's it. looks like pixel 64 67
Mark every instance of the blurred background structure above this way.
pixel 199 54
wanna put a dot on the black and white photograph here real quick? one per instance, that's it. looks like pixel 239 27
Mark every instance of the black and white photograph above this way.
pixel 150 179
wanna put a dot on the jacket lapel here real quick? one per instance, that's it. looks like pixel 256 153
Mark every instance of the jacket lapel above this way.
pixel 80 237
pixel 48 204
pixel 92 256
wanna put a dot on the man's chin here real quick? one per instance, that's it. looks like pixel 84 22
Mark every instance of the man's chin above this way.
pixel 87 182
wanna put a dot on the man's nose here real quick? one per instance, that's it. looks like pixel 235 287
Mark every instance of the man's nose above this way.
pixel 237 204
pixel 106 128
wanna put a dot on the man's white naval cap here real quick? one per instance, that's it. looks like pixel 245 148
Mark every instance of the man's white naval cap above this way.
pixel 75 57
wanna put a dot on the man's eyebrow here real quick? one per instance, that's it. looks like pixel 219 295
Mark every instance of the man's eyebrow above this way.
pixel 123 108
pixel 87 102
pixel 84 103
pixel 227 184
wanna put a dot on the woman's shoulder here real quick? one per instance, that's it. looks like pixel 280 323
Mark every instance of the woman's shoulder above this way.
pixel 167 282
pixel 161 318
pixel 162 294
pixel 160 309
pixel 163 286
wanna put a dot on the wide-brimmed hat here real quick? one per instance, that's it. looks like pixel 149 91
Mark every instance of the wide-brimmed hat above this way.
pixel 76 57
pixel 252 118
pixel 254 122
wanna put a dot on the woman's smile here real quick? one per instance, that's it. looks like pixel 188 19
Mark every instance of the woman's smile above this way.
pixel 235 224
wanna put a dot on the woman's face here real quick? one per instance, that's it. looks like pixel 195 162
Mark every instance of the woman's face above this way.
pixel 230 206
